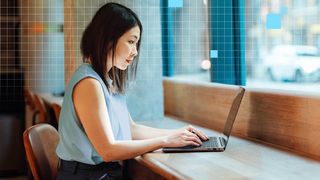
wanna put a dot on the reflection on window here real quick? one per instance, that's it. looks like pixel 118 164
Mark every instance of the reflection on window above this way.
pixel 282 44
pixel 190 40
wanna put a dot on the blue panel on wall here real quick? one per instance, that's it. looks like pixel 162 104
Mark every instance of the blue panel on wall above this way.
pixel 221 26
pixel 213 54
pixel 175 3
pixel 273 21
pixel 227 38
pixel 167 38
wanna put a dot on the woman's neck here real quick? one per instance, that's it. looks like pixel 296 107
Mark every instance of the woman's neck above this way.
pixel 87 60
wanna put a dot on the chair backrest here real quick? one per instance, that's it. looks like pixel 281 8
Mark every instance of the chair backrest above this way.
pixel 41 108
pixel 40 142
pixel 56 108
pixel 29 98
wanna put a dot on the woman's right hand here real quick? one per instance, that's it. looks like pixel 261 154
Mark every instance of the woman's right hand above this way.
pixel 181 138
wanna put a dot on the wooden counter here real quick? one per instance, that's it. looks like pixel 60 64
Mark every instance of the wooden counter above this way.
pixel 243 159
pixel 279 136
pixel 286 118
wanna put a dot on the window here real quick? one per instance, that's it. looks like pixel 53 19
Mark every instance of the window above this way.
pixel 282 44
pixel 202 41
pixel 186 39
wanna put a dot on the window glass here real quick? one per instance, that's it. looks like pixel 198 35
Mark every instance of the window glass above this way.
pixel 188 23
pixel 282 44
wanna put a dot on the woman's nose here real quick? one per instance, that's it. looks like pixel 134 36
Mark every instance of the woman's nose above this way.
pixel 134 52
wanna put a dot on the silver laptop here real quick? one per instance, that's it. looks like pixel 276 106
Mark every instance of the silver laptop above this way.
pixel 219 143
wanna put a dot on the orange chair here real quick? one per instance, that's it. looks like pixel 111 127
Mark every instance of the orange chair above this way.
pixel 57 109
pixel 40 142
pixel 30 101
pixel 28 95
pixel 41 108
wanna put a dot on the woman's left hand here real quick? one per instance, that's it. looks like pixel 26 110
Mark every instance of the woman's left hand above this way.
pixel 200 134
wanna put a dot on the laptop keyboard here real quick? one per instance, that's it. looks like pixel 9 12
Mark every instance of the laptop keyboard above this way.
pixel 211 143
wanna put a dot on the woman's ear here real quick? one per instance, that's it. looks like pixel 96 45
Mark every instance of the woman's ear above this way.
pixel 109 47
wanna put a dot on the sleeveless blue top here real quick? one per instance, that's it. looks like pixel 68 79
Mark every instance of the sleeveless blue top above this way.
pixel 74 144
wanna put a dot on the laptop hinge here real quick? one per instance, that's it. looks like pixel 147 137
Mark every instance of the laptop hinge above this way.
pixel 222 141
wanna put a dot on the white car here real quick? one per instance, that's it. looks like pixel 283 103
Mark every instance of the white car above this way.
pixel 293 63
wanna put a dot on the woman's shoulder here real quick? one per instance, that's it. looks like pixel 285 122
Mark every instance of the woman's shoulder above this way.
pixel 84 74
pixel 89 81
pixel 83 71
pixel 88 85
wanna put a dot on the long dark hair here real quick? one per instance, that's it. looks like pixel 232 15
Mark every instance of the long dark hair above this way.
pixel 100 37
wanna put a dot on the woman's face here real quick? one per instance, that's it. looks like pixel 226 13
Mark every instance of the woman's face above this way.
pixel 126 49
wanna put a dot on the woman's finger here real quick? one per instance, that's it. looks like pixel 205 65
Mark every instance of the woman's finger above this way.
pixel 194 139
pixel 193 134
pixel 200 134
pixel 191 143
pixel 197 132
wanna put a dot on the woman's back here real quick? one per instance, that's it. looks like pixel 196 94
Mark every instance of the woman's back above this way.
pixel 74 143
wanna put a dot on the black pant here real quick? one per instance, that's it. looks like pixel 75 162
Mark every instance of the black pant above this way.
pixel 70 170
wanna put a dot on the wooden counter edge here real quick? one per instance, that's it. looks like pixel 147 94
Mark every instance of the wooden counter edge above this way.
pixel 159 168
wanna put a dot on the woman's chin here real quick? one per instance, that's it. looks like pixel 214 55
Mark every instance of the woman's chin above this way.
pixel 123 68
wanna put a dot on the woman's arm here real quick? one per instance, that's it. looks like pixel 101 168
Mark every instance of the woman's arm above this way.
pixel 139 131
pixel 90 106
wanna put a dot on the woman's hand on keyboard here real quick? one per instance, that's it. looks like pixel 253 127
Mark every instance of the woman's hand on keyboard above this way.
pixel 181 137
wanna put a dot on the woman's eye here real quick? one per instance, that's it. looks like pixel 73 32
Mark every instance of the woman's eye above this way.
pixel 131 42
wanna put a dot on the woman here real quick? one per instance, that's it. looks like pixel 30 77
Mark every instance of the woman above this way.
pixel 96 130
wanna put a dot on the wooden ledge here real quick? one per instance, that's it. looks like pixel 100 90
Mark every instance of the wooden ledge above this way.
pixel 242 159
pixel 285 119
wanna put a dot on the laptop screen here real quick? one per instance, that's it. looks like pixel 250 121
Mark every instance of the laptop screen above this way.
pixel 233 112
